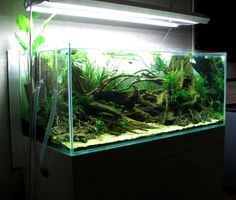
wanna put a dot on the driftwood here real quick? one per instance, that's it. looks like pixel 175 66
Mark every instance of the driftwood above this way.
pixel 118 104
pixel 105 83
pixel 96 106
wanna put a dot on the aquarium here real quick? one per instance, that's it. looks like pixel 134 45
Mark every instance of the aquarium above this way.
pixel 97 99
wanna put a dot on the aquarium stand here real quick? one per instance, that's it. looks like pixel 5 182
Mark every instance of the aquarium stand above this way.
pixel 230 149
pixel 186 167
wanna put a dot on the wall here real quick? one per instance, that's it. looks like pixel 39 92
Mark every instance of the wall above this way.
pixel 80 35
pixel 231 70
pixel 231 84
pixel 11 180
pixel 104 36
pixel 132 37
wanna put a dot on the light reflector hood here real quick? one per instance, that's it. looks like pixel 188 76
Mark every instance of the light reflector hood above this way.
pixel 117 12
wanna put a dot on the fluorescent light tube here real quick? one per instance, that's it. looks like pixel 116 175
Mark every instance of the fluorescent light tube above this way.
pixel 114 12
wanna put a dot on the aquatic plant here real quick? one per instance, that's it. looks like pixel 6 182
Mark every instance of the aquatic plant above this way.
pixel 95 74
pixel 100 127
pixel 155 69
pixel 217 115
pixel 201 86
pixel 219 77
pixel 122 123
pixel 216 84
pixel 121 55
pixel 108 101
pixel 219 82
pixel 180 95
pixel 159 65
pixel 173 84
pixel 80 104
pixel 171 80
pixel 201 92
pixel 177 92
pixel 78 110
pixel 27 77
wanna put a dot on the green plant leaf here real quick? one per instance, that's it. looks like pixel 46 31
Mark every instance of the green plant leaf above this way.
pixel 37 43
pixel 35 15
pixel 22 44
pixel 23 23
pixel 45 23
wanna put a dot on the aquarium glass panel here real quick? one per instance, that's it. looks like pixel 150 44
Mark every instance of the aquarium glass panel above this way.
pixel 113 98
pixel 51 82
pixel 55 90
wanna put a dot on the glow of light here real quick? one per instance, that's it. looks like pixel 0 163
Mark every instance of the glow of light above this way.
pixel 137 15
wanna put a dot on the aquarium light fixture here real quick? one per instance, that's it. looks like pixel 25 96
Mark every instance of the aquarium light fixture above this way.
pixel 117 12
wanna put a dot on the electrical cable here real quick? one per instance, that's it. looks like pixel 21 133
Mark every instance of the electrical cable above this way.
pixel 166 35
pixel 169 30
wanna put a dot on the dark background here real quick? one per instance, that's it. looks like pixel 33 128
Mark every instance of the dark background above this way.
pixel 220 33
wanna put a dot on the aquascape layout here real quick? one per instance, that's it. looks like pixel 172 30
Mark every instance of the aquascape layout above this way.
pixel 108 96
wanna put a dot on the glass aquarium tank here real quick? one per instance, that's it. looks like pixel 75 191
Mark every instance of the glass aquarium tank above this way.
pixel 96 99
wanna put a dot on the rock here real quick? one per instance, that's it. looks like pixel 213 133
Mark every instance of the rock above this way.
pixel 91 136
pixel 196 117
pixel 205 116
pixel 81 137
pixel 182 121
pixel 115 133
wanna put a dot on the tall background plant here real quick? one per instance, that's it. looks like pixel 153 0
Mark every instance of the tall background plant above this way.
pixel 23 24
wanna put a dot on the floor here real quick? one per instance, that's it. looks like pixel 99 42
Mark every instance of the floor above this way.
pixel 229 194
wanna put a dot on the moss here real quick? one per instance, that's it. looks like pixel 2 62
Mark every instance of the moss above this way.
pixel 100 127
